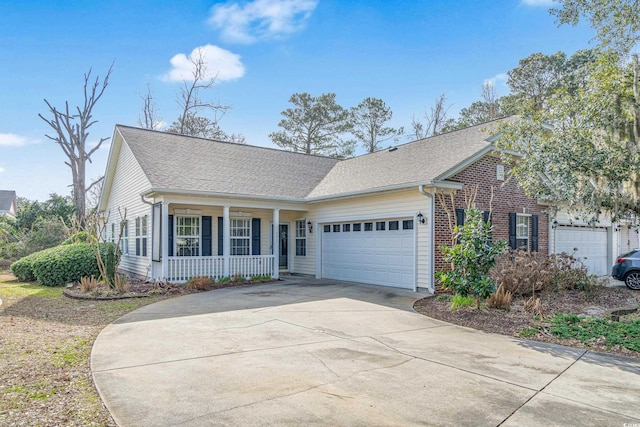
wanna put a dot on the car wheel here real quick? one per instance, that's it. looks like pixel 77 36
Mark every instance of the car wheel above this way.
pixel 632 280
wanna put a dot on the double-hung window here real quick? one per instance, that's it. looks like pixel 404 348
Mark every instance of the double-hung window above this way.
pixel 141 236
pixel 124 238
pixel 187 236
pixel 522 232
pixel 301 238
pixel 240 236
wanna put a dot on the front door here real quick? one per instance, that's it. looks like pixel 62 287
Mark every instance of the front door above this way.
pixel 284 247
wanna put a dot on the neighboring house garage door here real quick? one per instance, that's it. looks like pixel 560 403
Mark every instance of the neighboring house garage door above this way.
pixel 380 252
pixel 591 245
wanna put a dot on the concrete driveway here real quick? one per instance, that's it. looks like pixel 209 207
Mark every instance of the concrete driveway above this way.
pixel 318 352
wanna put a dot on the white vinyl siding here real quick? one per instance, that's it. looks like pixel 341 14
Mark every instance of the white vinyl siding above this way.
pixel 124 202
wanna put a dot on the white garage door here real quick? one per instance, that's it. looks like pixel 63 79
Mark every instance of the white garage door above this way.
pixel 378 252
pixel 591 245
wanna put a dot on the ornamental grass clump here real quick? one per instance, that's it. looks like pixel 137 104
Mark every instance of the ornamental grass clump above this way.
pixel 500 299
pixel 201 283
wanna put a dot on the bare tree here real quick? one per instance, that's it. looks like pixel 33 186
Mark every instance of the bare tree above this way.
pixel 150 118
pixel 71 134
pixel 191 102
pixel 436 119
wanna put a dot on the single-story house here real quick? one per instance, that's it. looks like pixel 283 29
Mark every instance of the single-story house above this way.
pixel 8 203
pixel 198 207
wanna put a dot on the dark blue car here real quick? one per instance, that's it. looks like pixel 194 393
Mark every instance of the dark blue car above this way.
pixel 627 268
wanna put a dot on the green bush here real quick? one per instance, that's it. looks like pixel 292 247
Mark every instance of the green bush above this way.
pixel 79 237
pixel 60 265
pixel 472 257
pixel 23 268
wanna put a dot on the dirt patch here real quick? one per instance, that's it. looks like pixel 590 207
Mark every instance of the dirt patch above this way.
pixel 598 302
pixel 45 346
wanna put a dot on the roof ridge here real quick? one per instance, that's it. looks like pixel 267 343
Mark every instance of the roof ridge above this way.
pixel 226 142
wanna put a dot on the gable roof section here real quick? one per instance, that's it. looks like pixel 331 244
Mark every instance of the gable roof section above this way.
pixel 7 201
pixel 418 162
pixel 177 163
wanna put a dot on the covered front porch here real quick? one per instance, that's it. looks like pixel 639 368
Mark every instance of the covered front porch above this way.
pixel 226 238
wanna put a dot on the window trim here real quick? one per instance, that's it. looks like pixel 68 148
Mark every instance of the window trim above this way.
pixel 142 235
pixel 177 236
pixel 240 238
pixel 124 238
pixel 301 236
pixel 519 237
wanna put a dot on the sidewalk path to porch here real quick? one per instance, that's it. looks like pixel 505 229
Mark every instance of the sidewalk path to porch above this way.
pixel 319 352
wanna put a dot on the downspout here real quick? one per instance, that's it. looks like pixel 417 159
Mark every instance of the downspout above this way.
pixel 144 201
pixel 432 229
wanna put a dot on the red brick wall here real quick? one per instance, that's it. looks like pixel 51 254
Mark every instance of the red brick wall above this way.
pixel 507 197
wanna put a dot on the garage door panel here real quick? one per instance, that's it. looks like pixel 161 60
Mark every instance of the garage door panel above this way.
pixel 376 257
pixel 589 245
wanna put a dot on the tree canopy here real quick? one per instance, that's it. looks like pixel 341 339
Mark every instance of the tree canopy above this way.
pixel 369 118
pixel 581 146
pixel 315 125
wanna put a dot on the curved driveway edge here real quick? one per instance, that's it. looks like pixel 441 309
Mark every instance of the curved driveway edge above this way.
pixel 320 352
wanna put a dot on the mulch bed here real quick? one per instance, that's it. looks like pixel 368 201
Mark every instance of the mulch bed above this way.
pixel 598 302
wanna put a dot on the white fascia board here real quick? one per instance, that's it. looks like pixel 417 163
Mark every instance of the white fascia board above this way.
pixel 110 170
pixel 368 191
pixel 272 202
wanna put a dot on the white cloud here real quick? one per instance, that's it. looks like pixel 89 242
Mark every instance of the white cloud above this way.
pixel 220 64
pixel 260 19
pixel 497 79
pixel 13 140
pixel 2 169
pixel 537 3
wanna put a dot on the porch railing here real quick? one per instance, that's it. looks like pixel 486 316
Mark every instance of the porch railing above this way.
pixel 181 269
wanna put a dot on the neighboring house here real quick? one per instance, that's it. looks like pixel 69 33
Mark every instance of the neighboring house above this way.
pixel 8 203
pixel 198 207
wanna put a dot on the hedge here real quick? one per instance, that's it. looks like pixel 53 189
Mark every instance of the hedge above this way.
pixel 60 265
pixel 79 237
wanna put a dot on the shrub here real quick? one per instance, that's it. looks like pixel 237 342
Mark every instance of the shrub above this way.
pixel 23 268
pixel 79 237
pixel 523 273
pixel 472 257
pixel 60 265
pixel 201 283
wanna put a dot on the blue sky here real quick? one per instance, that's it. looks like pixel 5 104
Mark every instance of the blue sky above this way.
pixel 404 52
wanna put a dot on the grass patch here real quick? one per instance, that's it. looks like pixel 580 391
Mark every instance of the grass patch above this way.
pixel 459 301
pixel 590 330
pixel 529 332
pixel 21 290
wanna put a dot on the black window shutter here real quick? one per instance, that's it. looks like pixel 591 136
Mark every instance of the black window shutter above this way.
pixel 534 233
pixel 207 236
pixel 255 236
pixel 512 230
pixel 220 236
pixel 137 246
pixel 170 225
pixel 459 217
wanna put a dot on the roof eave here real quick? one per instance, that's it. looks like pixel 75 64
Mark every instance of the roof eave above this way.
pixel 170 191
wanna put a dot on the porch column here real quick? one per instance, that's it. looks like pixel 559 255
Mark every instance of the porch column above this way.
pixel 164 240
pixel 226 240
pixel 276 243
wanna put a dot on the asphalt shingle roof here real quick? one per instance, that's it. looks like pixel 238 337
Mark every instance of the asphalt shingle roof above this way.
pixel 418 161
pixel 178 163
pixel 182 163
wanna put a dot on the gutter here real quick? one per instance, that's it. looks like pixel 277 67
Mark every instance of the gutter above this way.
pixel 432 229
pixel 222 195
